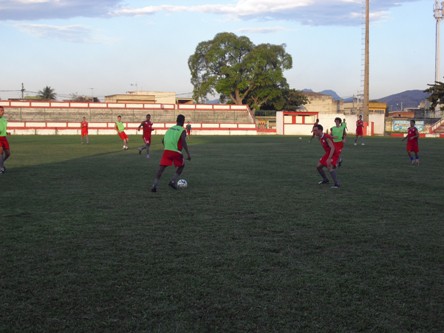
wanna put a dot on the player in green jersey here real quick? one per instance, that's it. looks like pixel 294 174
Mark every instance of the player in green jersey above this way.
pixel 120 128
pixel 338 134
pixel 174 141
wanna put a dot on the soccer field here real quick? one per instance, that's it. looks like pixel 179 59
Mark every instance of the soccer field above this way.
pixel 253 244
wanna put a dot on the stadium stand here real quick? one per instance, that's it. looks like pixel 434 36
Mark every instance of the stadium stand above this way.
pixel 47 117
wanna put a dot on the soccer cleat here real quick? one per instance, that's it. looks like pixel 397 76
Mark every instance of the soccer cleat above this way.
pixel 355 144
pixel 324 181
pixel 153 189
pixel 335 186
pixel 417 163
pixel 147 155
pixel 363 144
pixel 140 151
pixel 2 171
pixel 172 185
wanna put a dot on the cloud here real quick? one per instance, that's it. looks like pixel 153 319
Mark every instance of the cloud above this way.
pixel 308 12
pixel 262 30
pixel 21 10
pixel 73 33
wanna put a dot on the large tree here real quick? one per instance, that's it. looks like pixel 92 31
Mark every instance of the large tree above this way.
pixel 238 70
pixel 436 92
pixel 290 100
pixel 47 93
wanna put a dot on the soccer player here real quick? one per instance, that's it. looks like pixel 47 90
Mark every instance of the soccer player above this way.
pixel 359 131
pixel 84 131
pixel 345 128
pixel 313 129
pixel 338 134
pixel 412 142
pixel 147 126
pixel 329 159
pixel 174 141
pixel 188 128
pixel 4 144
pixel 120 128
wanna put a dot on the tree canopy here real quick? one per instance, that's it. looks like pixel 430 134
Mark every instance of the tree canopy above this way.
pixel 436 92
pixel 239 71
pixel 47 93
pixel 290 100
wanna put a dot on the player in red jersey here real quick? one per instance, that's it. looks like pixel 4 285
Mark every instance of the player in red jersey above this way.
pixel 84 131
pixel 412 142
pixel 147 126
pixel 5 151
pixel 359 131
pixel 330 158
pixel 188 129
pixel 313 130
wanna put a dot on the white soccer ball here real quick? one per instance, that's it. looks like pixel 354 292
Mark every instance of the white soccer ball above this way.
pixel 182 183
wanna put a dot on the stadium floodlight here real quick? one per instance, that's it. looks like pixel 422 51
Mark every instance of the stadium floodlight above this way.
pixel 438 12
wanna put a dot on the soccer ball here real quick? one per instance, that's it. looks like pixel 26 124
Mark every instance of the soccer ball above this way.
pixel 182 183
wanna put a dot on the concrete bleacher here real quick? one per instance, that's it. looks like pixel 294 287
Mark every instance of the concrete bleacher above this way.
pixel 128 115
pixel 27 117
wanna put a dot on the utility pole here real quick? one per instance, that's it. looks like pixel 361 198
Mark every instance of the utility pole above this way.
pixel 23 91
pixel 438 13
pixel 365 109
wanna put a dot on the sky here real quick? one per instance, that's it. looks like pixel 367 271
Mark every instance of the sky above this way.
pixel 105 47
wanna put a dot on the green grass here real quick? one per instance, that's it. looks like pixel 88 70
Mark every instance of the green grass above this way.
pixel 252 245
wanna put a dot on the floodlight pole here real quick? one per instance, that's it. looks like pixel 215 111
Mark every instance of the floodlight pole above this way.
pixel 365 108
pixel 438 14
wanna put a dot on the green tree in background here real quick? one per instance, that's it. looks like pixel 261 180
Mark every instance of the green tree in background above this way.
pixel 289 100
pixel 47 93
pixel 436 92
pixel 239 71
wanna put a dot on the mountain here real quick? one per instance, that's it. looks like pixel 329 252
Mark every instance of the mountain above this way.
pixel 408 98
pixel 331 93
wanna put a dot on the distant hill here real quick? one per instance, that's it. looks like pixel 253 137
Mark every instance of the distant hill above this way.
pixel 408 98
pixel 331 93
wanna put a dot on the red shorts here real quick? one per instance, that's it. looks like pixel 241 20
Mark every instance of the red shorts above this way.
pixel 169 157
pixel 123 135
pixel 188 132
pixel 338 147
pixel 359 131
pixel 147 139
pixel 334 159
pixel 412 146
pixel 4 143
pixel 84 132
